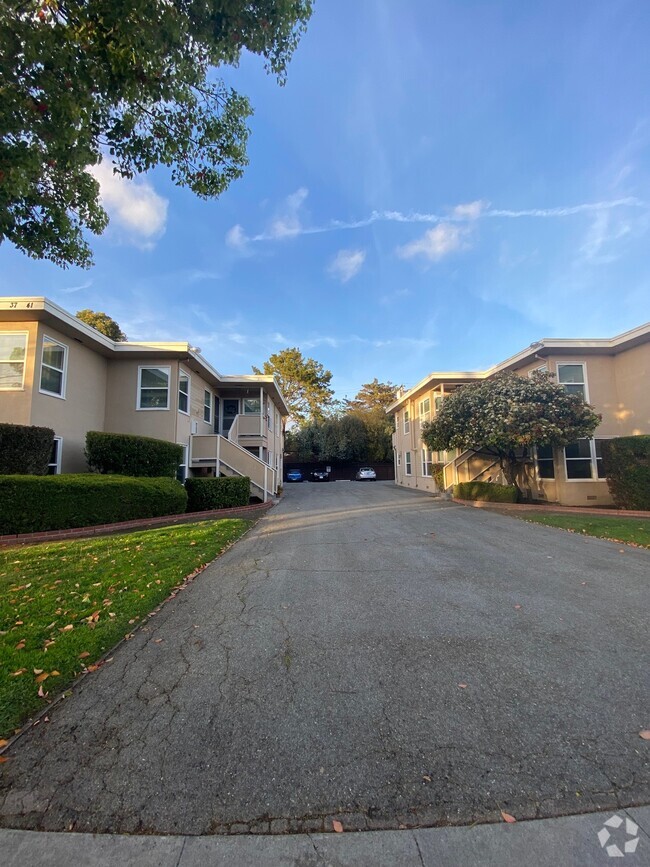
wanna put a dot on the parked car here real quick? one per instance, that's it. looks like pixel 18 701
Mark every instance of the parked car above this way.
pixel 366 474
pixel 320 476
pixel 294 476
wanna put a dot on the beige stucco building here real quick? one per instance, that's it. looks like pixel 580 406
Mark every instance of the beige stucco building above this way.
pixel 611 374
pixel 58 372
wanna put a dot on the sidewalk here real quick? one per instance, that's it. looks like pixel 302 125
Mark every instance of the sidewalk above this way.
pixel 571 841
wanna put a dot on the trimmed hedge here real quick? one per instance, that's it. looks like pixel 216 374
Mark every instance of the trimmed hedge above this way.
pixel 219 493
pixel 25 449
pixel 626 462
pixel 31 504
pixel 487 491
pixel 128 455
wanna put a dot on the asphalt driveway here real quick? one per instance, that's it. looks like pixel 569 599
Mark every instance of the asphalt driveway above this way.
pixel 366 653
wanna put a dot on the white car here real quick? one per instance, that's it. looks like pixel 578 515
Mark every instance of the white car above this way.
pixel 366 474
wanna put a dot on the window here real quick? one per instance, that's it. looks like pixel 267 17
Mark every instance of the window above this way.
pixel 181 472
pixel 252 405
pixel 427 462
pixel 207 406
pixel 54 465
pixel 545 465
pixel 425 409
pixel 407 423
pixel 153 388
pixel 584 460
pixel 399 458
pixel 13 348
pixel 541 369
pixel 572 377
pixel 437 402
pixel 53 365
pixel 407 463
pixel 184 392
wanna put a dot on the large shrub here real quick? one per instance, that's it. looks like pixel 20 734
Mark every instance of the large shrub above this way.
pixel 220 493
pixel 128 455
pixel 31 504
pixel 25 449
pixel 627 468
pixel 488 491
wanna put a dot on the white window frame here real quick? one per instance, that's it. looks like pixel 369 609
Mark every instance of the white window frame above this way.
pixel 139 395
pixel 425 415
pixel 425 452
pixel 407 422
pixel 183 464
pixel 543 368
pixel 593 457
pixel 583 364
pixel 207 405
pixel 63 371
pixel 21 387
pixel 249 412
pixel 399 459
pixel 183 373
pixel 408 466
pixel 57 463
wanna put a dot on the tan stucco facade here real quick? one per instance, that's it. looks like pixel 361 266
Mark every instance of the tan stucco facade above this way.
pixel 616 381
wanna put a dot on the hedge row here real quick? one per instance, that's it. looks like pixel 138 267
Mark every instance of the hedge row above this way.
pixel 25 449
pixel 30 504
pixel 627 468
pixel 128 455
pixel 219 493
pixel 488 491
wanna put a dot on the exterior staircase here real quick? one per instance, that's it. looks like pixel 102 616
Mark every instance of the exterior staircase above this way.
pixel 228 458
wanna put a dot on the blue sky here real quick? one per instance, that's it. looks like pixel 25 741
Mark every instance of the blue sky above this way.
pixel 438 185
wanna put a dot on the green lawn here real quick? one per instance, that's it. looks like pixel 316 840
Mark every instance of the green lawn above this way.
pixel 635 531
pixel 63 605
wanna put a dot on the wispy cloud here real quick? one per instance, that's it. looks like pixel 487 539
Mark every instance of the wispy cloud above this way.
pixel 237 238
pixel 70 290
pixel 134 205
pixel 436 243
pixel 287 223
pixel 346 264
pixel 469 211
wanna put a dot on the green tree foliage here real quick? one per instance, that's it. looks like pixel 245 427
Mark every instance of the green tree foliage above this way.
pixel 305 384
pixel 374 395
pixel 508 414
pixel 102 322
pixel 370 404
pixel 129 79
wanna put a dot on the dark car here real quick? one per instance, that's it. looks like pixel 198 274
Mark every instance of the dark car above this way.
pixel 320 476
pixel 294 476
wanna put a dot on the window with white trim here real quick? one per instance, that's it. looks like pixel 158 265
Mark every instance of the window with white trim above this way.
pixel 427 462
pixel 545 462
pixel 583 460
pixel 437 402
pixel 407 423
pixel 153 387
pixel 13 349
pixel 54 464
pixel 399 458
pixel 572 378
pixel 184 392
pixel 207 406
pixel 425 410
pixel 251 406
pixel 541 369
pixel 407 463
pixel 53 367
pixel 181 472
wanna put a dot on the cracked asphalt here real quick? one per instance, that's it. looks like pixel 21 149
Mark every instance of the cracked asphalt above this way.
pixel 313 672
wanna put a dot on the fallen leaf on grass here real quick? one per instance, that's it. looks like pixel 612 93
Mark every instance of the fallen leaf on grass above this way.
pixel 42 677
pixel 66 628
pixel 20 645
pixel 18 673
pixel 507 817
pixel 3 743
pixel 41 694
pixel 55 673
pixel 38 671
pixel 84 654
pixel 338 827
pixel 645 734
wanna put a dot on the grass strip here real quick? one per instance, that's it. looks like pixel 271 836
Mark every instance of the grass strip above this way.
pixel 64 604
pixel 630 531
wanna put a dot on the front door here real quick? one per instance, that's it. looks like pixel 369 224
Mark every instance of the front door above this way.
pixel 230 410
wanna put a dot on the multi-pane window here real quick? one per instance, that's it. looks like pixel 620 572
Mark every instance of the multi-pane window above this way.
pixel 183 392
pixel 252 405
pixel 153 388
pixel 181 472
pixel 572 377
pixel 425 410
pixel 53 363
pixel 13 348
pixel 584 460
pixel 207 406
pixel 427 462
pixel 407 422
pixel 399 459
pixel 545 465
pixel 54 464
pixel 437 402
pixel 407 463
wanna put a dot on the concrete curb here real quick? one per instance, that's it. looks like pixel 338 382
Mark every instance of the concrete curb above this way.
pixel 571 841
pixel 550 509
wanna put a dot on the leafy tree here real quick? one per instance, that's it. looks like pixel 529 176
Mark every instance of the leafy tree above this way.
pixel 305 384
pixel 102 322
pixel 131 80
pixel 507 415
pixel 374 395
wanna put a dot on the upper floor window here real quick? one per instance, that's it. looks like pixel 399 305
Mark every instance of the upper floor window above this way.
pixel 437 402
pixel 153 388
pixel 425 409
pixel 183 392
pixel 13 348
pixel 252 405
pixel 407 422
pixel 207 406
pixel 407 463
pixel 53 367
pixel 572 377
pixel 541 369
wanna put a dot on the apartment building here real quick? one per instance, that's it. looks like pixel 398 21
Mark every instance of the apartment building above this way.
pixel 611 374
pixel 58 372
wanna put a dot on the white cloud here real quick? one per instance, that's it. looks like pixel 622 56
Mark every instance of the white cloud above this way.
pixel 237 238
pixel 469 211
pixel 69 290
pixel 287 224
pixel 346 264
pixel 133 204
pixel 435 244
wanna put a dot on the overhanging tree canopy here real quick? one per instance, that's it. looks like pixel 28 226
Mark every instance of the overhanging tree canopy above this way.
pixel 102 322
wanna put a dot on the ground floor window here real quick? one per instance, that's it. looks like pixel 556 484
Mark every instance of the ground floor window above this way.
pixel 407 463
pixel 545 465
pixel 181 472
pixel 399 458
pixel 427 462
pixel 54 465
pixel 583 460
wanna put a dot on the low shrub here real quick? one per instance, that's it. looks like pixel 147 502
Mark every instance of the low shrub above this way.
pixel 128 455
pixel 25 449
pixel 438 475
pixel 487 491
pixel 31 504
pixel 626 461
pixel 219 493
